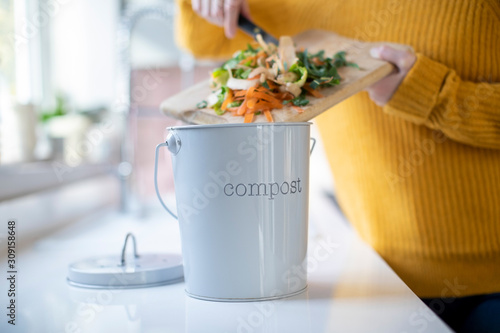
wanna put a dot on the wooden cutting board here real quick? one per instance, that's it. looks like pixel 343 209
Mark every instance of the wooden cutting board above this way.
pixel 183 105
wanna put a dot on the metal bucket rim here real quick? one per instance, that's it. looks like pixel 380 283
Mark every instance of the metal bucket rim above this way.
pixel 185 127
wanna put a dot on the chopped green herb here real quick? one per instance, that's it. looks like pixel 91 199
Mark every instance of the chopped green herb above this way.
pixel 245 74
pixel 320 55
pixel 251 49
pixel 234 104
pixel 300 100
pixel 340 60
pixel 202 105
pixel 324 75
pixel 220 99
pixel 230 64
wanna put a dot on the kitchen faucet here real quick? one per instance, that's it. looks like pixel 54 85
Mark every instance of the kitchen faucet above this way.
pixel 123 103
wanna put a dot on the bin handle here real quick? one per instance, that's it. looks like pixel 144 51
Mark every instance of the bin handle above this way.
pixel 164 144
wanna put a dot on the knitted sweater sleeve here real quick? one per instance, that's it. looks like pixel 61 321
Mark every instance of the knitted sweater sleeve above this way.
pixel 434 95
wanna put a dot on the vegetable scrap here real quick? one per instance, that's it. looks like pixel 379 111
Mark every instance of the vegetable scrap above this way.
pixel 266 77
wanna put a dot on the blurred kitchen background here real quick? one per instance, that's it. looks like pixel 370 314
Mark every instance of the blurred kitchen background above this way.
pixel 80 86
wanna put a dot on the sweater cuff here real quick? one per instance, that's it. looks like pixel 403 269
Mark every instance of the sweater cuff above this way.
pixel 418 92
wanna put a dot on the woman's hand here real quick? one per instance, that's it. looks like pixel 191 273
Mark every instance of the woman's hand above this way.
pixel 382 91
pixel 223 13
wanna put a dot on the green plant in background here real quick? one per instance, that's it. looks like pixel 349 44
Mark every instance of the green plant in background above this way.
pixel 60 109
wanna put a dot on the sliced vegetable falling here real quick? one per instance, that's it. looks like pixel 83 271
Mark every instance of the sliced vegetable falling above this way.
pixel 263 78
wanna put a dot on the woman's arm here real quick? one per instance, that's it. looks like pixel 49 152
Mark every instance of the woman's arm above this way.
pixel 432 94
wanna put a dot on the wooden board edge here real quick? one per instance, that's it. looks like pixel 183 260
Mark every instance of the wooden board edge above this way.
pixel 349 91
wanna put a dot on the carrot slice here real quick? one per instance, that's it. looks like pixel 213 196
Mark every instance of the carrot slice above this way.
pixel 268 115
pixel 268 91
pixel 242 109
pixel 248 118
pixel 284 96
pixel 261 54
pixel 240 93
pixel 317 62
pixel 249 93
pixel 247 59
pixel 298 109
pixel 229 99
pixel 271 84
pixel 266 97
pixel 312 91
pixel 267 105
pixel 251 102
pixel 262 89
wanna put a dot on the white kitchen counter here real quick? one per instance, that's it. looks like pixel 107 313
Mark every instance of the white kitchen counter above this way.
pixel 350 288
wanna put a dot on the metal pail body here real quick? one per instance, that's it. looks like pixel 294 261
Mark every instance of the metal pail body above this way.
pixel 242 205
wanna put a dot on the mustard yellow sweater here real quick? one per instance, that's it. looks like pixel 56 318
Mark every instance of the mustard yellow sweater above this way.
pixel 419 178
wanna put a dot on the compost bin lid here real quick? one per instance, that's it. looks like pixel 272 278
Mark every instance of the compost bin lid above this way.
pixel 122 271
